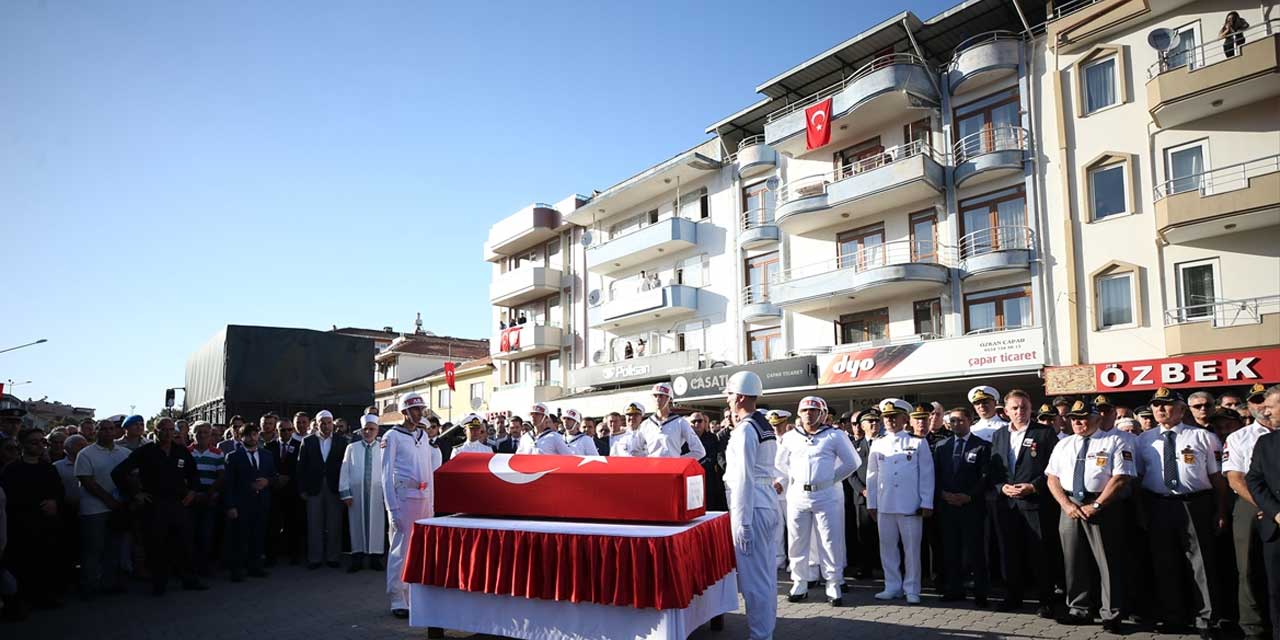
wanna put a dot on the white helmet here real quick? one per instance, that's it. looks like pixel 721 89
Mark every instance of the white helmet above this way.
pixel 572 414
pixel 662 389
pixel 538 408
pixel 813 402
pixel 745 383
pixel 410 400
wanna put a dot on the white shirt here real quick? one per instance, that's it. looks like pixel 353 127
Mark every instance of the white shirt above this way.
pixel 582 445
pixel 1107 455
pixel 665 438
pixel 1015 441
pixel 821 460
pixel 70 486
pixel 749 468
pixel 1238 453
pixel 326 445
pixel 1196 455
pixel 626 445
pixel 473 447
pixel 899 474
pixel 408 460
pixel 985 427
pixel 97 461
pixel 547 443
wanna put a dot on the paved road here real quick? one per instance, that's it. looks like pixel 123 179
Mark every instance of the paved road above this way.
pixel 296 604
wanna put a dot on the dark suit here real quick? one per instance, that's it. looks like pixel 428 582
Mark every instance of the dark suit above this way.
pixel 713 472
pixel 509 445
pixel 1263 481
pixel 318 481
pixel 860 532
pixel 1025 527
pixel 248 530
pixel 961 527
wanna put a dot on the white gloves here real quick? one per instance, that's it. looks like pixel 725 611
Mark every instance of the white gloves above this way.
pixel 742 539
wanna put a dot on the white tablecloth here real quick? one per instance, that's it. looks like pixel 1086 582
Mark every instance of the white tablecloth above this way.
pixel 637 530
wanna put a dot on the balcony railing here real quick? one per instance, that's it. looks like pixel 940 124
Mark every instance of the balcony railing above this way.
pixel 1224 313
pixel 979 40
pixel 1220 180
pixel 757 293
pixel 1064 9
pixel 1211 52
pixel 758 217
pixel 1003 238
pixel 751 141
pixel 1013 327
pixel 999 138
pixel 525 384
pixel 885 342
pixel 817 184
pixel 873 257
pixel 867 69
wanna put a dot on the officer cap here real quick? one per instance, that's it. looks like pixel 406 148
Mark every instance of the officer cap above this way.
pixel 634 409
pixel 471 420
pixel 1081 409
pixel 1045 411
pixel 868 414
pixel 983 392
pixel 846 416
pixel 745 383
pixel 1257 392
pixel 921 410
pixel 12 407
pixel 1101 401
pixel 1144 410
pixel 777 416
pixel 1061 401
pixel 894 406
pixel 538 408
pixel 1165 395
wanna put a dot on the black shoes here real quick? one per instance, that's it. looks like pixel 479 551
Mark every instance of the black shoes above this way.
pixel 1112 626
pixel 980 602
pixel 376 564
pixel 1045 612
pixel 1075 619
pixel 400 613
pixel 332 565
pixel 1008 606
pixel 951 597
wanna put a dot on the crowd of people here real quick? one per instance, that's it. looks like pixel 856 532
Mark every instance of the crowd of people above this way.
pixel 1159 514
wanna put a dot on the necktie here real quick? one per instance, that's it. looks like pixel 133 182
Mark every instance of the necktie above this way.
pixel 959 451
pixel 1170 459
pixel 253 459
pixel 1077 480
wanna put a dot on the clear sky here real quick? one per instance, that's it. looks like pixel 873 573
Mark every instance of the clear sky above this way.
pixel 167 168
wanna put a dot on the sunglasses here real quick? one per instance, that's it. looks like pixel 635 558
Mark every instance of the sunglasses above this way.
pixel 1199 407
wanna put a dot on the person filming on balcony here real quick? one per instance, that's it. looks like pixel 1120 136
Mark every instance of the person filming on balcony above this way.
pixel 1232 33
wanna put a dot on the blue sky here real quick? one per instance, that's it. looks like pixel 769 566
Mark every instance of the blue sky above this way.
pixel 169 168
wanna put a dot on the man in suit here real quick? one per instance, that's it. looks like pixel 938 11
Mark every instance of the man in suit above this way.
pixel 860 530
pixel 250 471
pixel 1263 480
pixel 1025 517
pixel 511 442
pixel 960 467
pixel 319 470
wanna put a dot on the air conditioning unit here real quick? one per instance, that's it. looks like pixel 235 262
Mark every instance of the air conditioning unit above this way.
pixel 598 356
pixel 593 298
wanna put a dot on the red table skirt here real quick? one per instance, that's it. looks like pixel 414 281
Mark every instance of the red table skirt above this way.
pixel 662 572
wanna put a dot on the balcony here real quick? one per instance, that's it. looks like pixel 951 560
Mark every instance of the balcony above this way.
pixel 517 287
pixel 996 251
pixel 518 397
pixel 528 227
pixel 992 153
pixel 663 304
pixel 1226 200
pixel 664 237
pixel 882 90
pixel 757 306
pixel 900 176
pixel 1205 81
pixel 526 340
pixel 984 59
pixel 896 269
pixel 1223 325
pixel 757 229
pixel 754 157
pixel 1074 24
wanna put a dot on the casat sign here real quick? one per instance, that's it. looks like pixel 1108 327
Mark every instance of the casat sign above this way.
pixel 775 374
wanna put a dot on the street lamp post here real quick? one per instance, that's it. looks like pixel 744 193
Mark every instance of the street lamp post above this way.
pixel 40 341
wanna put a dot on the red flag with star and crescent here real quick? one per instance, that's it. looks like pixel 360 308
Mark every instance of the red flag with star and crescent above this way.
pixel 817 125
pixel 450 374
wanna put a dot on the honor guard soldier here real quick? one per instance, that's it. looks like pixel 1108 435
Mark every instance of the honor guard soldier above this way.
pixel 899 495
pixel 753 507
pixel 1237 455
pixel 408 461
pixel 779 420
pixel 580 443
pixel 816 459
pixel 960 471
pixel 1087 473
pixel 1186 496
pixel 476 436
pixel 542 439
pixel 665 435
pixel 627 442
pixel 984 400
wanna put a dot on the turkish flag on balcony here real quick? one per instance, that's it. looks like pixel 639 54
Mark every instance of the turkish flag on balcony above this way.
pixel 510 339
pixel 817 128
pixel 450 375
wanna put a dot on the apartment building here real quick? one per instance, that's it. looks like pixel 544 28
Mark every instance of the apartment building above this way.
pixel 1165 167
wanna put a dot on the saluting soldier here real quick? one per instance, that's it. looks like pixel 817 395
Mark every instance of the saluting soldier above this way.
pixel 1087 473
pixel 816 458
pixel 665 435
pixel 899 496
pixel 542 439
pixel 1182 479
pixel 1237 455
pixel 579 442
pixel 624 441
pixel 408 461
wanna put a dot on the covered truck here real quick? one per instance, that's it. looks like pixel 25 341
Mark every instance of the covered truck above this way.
pixel 249 371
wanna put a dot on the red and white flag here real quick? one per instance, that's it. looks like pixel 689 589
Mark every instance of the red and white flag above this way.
pixel 450 373
pixel 817 125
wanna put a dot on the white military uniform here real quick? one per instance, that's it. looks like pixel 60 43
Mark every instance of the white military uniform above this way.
pixel 814 466
pixel 474 447
pixel 748 480
pixel 547 443
pixel 1237 455
pixel 665 438
pixel 626 444
pixel 1195 454
pixel 361 480
pixel 986 427
pixel 582 445
pixel 899 485
pixel 409 459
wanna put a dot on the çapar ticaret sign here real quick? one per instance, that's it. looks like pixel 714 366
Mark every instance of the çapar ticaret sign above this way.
pixel 1235 368
pixel 1020 349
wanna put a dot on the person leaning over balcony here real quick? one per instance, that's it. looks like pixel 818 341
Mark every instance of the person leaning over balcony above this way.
pixel 1232 33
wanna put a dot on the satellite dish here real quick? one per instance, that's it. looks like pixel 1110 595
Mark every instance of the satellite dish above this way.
pixel 772 183
pixel 1162 39
pixel 598 356
pixel 593 298
pixel 475 403
pixel 586 239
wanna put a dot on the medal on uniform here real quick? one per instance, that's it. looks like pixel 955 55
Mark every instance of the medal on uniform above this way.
pixel 1101 458
pixel 1034 449
pixel 1188 456
pixel 908 456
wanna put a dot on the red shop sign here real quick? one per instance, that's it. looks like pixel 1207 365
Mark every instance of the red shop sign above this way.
pixel 1207 370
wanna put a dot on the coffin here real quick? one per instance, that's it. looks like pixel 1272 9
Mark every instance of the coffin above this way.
pixel 572 487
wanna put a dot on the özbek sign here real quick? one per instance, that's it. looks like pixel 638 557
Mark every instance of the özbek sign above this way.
pixel 1209 370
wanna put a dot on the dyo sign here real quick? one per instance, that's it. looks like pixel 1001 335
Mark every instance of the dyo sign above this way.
pixel 853 366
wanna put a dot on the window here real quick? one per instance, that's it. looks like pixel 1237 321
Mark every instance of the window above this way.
pixel 1115 300
pixel 1184 52
pixel 1197 289
pixel 1100 85
pixel 760 271
pixel 928 318
pixel 691 206
pixel 861 248
pixel 553 312
pixel 992 123
pixel 757 204
pixel 1184 166
pixel 442 399
pixel 477 391
pixel 864 156
pixel 864 326
pixel 1107 190
pixel 1007 308
pixel 924 236
pixel 764 344
pixel 917 131
pixel 993 221
pixel 693 271
pixel 553 370
pixel 553 254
